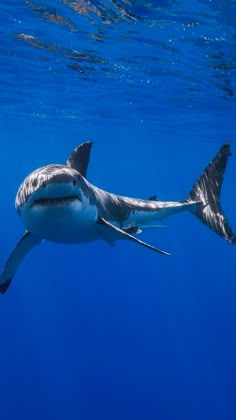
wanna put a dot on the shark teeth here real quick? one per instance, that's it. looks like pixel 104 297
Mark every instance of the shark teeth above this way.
pixel 55 200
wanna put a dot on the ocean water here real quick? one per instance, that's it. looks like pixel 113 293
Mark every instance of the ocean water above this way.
pixel 92 332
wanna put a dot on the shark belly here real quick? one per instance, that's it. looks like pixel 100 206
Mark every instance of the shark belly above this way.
pixel 70 223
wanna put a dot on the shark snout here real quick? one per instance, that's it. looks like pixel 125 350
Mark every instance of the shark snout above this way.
pixel 58 187
pixel 49 182
pixel 62 179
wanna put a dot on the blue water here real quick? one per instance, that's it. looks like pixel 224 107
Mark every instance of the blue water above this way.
pixel 99 332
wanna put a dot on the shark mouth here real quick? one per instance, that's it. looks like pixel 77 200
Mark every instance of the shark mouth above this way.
pixel 55 201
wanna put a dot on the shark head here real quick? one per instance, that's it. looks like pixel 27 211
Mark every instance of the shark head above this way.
pixel 53 200
pixel 53 185
pixel 49 186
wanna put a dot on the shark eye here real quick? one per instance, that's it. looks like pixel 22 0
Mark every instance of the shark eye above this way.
pixel 76 180
pixel 35 182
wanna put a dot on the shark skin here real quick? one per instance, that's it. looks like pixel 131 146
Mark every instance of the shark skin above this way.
pixel 57 203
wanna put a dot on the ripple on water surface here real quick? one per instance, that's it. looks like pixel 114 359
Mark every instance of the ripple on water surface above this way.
pixel 63 52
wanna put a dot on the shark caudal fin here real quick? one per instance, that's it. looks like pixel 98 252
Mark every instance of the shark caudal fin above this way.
pixel 206 192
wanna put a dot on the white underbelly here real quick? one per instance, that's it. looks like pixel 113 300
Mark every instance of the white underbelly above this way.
pixel 70 223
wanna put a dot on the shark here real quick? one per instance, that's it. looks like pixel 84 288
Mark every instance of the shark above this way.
pixel 57 203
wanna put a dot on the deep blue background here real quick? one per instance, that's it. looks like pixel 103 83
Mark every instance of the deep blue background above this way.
pixel 99 332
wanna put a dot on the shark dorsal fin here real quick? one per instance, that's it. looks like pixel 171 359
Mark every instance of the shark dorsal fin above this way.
pixel 79 158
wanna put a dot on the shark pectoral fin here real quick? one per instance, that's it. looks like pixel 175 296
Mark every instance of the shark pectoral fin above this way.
pixel 102 221
pixel 25 244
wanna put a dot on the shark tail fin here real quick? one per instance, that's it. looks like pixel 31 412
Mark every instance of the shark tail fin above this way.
pixel 206 194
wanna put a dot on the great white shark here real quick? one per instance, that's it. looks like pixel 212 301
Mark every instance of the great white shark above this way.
pixel 57 203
